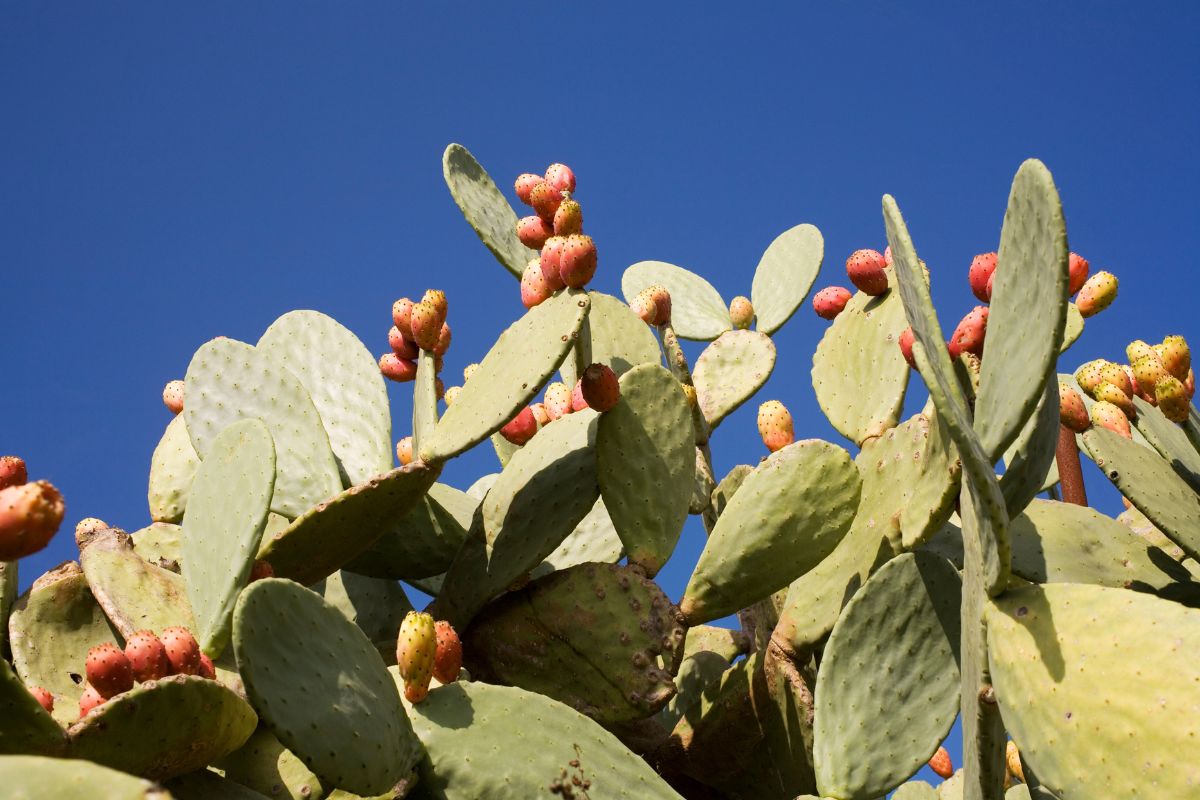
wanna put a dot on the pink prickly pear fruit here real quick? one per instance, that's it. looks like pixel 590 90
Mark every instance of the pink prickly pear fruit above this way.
pixel 1077 273
pixel 906 344
pixel 90 700
pixel 662 303
pixel 568 219
pixel 887 256
pixel 600 387
pixel 1097 294
pixel 578 263
pixel 980 275
pixel 941 764
pixel 524 186
pixel 1113 394
pixel 1116 375
pixel 394 368
pixel 741 313
pixel 403 346
pixel 206 669
pixel 147 657
pixel 447 659
pixel 401 311
pixel 540 414
pixel 1139 349
pixel 578 401
pixel 545 200
pixel 866 271
pixel 521 428
pixel 551 256
pixel 560 177
pixel 533 231
pixel 643 305
pixel 404 451
pixel 261 569
pixel 775 425
pixel 1172 399
pixel 108 670
pixel 29 517
pixel 830 301
pixel 1149 370
pixel 183 652
pixel 416 653
pixel 451 395
pixel 1071 409
pixel 535 290
pixel 426 325
pixel 443 341
pixel 12 471
pixel 969 335
pixel 44 698
pixel 173 396
pixel 1176 356
pixel 557 400
pixel 1106 415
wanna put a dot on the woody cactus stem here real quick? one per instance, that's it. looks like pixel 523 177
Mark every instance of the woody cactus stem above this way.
pixel 1069 472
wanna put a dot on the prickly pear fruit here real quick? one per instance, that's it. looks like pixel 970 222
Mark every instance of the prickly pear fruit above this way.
pixel 643 305
pixel 1106 415
pixel 451 395
pixel 560 177
pixel 539 413
pixel 183 652
pixel 533 231
pixel 941 764
pixel 89 700
pixel 1189 385
pixel 206 669
pixel 1149 370
pixel 1172 399
pixel 443 341
pixel 578 263
pixel 1097 294
pixel 568 219
pixel 689 392
pixel 173 396
pixel 907 337
pixel 404 451
pixel 397 369
pixel 1139 349
pixel 403 346
pixel 1090 375
pixel 600 387
pixel 980 275
pixel 1071 410
pixel 1113 394
pixel 401 311
pixel 1176 357
pixel 524 185
pixel 147 657
pixel 866 271
pixel 468 371
pixel 521 428
pixel 447 660
pixel 437 298
pixel 416 652
pixel 44 698
pixel 552 254
pixel 12 471
pixel 108 670
pixel 969 335
pixel 545 200
pixel 426 325
pixel 1012 758
pixel 534 288
pixel 1077 273
pixel 741 313
pixel 578 401
pixel 557 400
pixel 830 301
pixel 887 255
pixel 1116 375
pixel 775 425
pixel 29 517
pixel 662 303
pixel 261 569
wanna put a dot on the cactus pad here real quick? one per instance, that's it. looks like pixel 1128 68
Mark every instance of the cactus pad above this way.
pixel 171 470
pixel 730 371
pixel 785 274
pixel 1030 460
pixel 1169 440
pixel 485 208
pixel 135 595
pixel 377 606
pixel 208 785
pixel 1073 329
pixel 27 727
pixel 425 411
pixel 159 541
pixel 697 310
pixel 8 598
pixel 616 337
pixel 266 766
pixel 594 539
pixel 37 777
pixel 425 540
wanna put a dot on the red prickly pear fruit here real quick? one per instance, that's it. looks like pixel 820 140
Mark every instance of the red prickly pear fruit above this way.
pixel 1071 410
pixel 394 368
pixel 439 388
pixel 426 325
pixel 568 219
pixel 599 387
pixel 443 341
pixel 29 517
pixel 551 258
pixel 1113 394
pixel 539 413
pixel 578 263
pixel 108 670
pixel 182 650
pixel 404 347
pixel 1176 356
pixel 775 425
pixel 866 271
pixel 173 396
pixel 741 313
pixel 91 699
pixel 1139 349
pixel 557 400
pixel 941 764
pixel 404 451
pixel 12 471
pixel 969 335
pixel 980 275
pixel 1172 399
pixel 830 301
pixel 887 256
pixel 991 279
pixel 1149 370
pixel 524 186
pixel 44 698
pixel 447 659
pixel 147 657
pixel 907 337
pixel 578 401
pixel 1097 294
pixel 261 569
pixel 1077 273
pixel 206 669
pixel 643 306
pixel 560 177
pixel 545 200
pixel 535 290
pixel 662 303
pixel 1106 415
pixel 1116 375
pixel 416 652
pixel 401 315
pixel 533 231
pixel 521 428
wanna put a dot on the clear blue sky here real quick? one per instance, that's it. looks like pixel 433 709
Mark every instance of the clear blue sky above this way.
pixel 172 174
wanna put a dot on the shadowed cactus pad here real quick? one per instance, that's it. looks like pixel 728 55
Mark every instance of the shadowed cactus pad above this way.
pixel 35 777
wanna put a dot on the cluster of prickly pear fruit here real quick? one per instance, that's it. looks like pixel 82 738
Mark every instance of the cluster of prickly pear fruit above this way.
pixel 1161 375
pixel 597 388
pixel 416 327
pixel 112 671
pixel 567 255
pixel 426 650
pixel 30 513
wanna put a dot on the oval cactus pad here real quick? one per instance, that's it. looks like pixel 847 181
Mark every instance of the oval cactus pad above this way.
pixel 486 210
pixel 26 726
pixel 172 468
pixel 29 777
pixel 730 371
pixel 785 274
pixel 697 310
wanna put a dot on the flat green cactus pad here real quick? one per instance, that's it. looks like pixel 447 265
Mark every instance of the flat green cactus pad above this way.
pixel 160 729
pixel 425 411
pixel 697 672
pixel 785 274
pixel 510 375
pixel 293 647
pixel 887 691
pixel 38 777
pixel 342 378
pixel 504 449
pixel 1169 440
pixel 328 536
pixel 207 785
pixel 8 598
pixel 171 470
pixel 228 380
pixel 485 208
pixel 646 464
pixel 377 606
pixel 697 310
pixel 424 542
pixel 266 766
pixel 223 526
pixel 594 539
pixel 159 541
pixel 915 790
pixel 1029 461
pixel 788 515
pixel 858 372
pixel 616 337
pixel 1028 311
pixel 1150 484
pixel 1073 329
pixel 1068 663
pixel 730 371
pixel 134 594
pixel 27 727
pixel 589 636
pixel 481 746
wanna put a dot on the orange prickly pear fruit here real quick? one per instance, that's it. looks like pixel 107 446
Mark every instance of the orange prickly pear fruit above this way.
pixel 1176 357
pixel 1172 399
pixel 1071 410
pixel 775 425
pixel 416 652
pixel 29 517
pixel 941 763
pixel 173 396
pixel 741 313
pixel 447 660
pixel 1097 294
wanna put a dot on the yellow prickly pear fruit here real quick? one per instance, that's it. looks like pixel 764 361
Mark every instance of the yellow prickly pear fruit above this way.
pixel 775 425
pixel 1090 375
pixel 1176 356
pixel 1172 399
pixel 1115 374
pixel 1012 760
pixel 1148 371
pixel 1097 294
pixel 1112 394
pixel 1138 349
pixel 416 650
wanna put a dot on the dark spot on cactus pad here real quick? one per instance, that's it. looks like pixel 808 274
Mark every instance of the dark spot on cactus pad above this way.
pixel 1022 611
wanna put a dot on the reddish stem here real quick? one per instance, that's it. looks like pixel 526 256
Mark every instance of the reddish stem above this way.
pixel 1070 475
